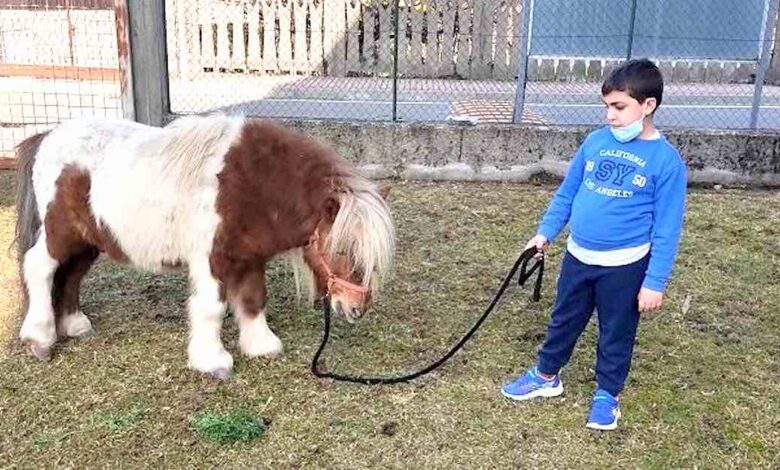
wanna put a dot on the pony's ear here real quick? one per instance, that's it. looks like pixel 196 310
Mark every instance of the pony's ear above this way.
pixel 332 207
pixel 384 191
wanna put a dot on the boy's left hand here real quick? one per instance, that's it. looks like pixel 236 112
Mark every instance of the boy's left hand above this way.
pixel 650 300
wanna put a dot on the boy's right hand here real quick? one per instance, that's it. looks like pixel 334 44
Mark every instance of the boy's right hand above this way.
pixel 540 242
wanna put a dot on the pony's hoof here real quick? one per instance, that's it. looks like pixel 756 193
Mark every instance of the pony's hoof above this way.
pixel 74 325
pixel 86 335
pixel 269 347
pixel 216 364
pixel 42 353
pixel 273 354
pixel 221 374
pixel 40 337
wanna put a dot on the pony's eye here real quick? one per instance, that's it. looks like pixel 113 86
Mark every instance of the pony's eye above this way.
pixel 358 273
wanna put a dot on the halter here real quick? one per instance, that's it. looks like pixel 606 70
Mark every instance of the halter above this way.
pixel 332 280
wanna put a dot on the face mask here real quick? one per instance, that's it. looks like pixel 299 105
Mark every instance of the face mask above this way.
pixel 628 133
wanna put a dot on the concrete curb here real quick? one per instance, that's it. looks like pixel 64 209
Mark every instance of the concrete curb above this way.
pixel 508 153
pixel 502 152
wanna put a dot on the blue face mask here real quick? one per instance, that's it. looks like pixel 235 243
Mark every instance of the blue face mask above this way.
pixel 630 132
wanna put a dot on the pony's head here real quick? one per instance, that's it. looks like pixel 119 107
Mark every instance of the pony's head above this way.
pixel 351 249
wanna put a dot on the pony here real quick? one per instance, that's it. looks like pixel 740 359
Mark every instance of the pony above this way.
pixel 220 195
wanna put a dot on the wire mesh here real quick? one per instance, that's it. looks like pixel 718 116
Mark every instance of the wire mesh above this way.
pixel 707 50
pixel 337 59
pixel 458 60
pixel 405 60
pixel 58 60
pixel 317 59
pixel 461 59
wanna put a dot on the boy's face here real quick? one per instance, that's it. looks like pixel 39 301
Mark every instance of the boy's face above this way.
pixel 623 110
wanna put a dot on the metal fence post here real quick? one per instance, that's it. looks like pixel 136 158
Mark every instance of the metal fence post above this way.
pixel 395 61
pixel 763 64
pixel 631 26
pixel 149 61
pixel 523 50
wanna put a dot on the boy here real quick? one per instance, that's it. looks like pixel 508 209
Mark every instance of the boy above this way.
pixel 624 197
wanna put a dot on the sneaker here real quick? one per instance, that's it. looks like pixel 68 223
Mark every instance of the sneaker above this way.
pixel 532 385
pixel 604 412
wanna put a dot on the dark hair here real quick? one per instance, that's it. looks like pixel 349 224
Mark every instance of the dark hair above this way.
pixel 640 78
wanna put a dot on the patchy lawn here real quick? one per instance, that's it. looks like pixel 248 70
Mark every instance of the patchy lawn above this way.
pixel 704 389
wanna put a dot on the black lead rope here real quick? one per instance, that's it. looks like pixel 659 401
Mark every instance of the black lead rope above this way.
pixel 525 274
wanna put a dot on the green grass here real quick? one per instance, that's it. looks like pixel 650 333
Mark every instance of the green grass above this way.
pixel 703 390
pixel 109 423
pixel 226 428
pixel 116 423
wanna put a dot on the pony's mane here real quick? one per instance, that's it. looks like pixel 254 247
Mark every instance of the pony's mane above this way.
pixel 187 142
pixel 363 229
pixel 304 276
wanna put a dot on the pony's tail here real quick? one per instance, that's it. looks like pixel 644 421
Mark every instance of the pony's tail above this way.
pixel 28 221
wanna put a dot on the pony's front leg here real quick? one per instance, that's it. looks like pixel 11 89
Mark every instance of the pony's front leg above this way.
pixel 207 309
pixel 248 299
pixel 38 329
pixel 255 337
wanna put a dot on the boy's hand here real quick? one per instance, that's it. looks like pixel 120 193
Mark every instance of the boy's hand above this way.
pixel 650 300
pixel 540 242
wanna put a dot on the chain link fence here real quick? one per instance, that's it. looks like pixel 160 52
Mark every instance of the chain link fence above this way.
pixel 58 60
pixel 534 61
pixel 337 59
pixel 467 59
pixel 708 50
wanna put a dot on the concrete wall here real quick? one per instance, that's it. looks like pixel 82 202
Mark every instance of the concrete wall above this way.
pixel 522 154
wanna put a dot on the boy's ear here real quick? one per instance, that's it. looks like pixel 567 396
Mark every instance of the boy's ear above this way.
pixel 650 105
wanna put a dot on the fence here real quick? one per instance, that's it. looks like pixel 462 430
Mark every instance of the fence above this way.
pixel 466 40
pixel 58 60
pixel 468 59
pixel 339 38
pixel 535 61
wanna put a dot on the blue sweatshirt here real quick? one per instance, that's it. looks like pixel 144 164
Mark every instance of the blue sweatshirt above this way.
pixel 623 195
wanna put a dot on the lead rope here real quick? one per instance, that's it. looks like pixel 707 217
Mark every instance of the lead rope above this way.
pixel 521 264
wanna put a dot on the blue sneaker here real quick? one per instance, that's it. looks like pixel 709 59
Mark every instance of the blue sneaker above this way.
pixel 531 385
pixel 604 412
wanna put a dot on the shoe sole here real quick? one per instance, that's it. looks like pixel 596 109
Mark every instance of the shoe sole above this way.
pixel 547 392
pixel 605 427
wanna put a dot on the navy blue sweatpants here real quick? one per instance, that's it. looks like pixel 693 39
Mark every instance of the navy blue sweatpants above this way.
pixel 613 292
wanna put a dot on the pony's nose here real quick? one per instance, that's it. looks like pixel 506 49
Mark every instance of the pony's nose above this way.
pixel 339 308
pixel 357 313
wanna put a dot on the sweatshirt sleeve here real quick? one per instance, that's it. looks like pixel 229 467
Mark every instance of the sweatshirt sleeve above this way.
pixel 559 210
pixel 668 213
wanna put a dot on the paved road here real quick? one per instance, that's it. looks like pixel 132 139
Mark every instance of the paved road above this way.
pixel 29 105
pixel 701 115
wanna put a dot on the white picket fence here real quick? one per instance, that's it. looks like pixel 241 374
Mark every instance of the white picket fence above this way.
pixel 472 39
pixel 80 38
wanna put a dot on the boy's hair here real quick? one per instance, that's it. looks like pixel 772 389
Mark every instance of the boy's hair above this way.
pixel 640 78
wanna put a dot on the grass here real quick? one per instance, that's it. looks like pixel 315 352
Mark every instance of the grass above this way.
pixel 226 428
pixel 703 391
pixel 110 424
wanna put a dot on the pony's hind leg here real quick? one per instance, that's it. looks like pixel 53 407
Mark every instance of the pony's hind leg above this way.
pixel 71 321
pixel 248 298
pixel 38 328
pixel 207 309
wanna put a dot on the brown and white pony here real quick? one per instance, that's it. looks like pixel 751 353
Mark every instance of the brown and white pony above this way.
pixel 222 195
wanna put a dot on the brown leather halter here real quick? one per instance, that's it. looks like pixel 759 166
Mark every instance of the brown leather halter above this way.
pixel 358 290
